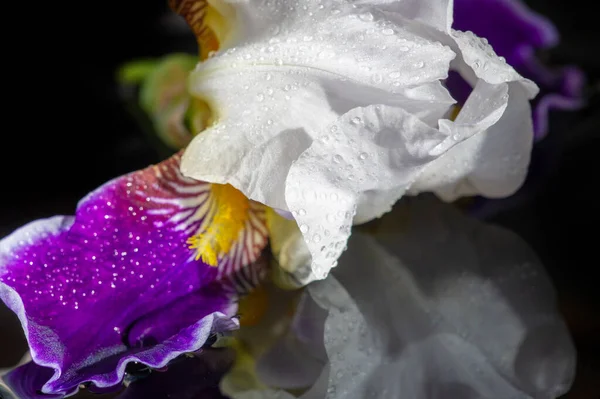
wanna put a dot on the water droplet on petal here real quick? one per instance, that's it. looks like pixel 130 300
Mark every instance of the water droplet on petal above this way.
pixel 367 16
pixel 326 54
pixel 377 78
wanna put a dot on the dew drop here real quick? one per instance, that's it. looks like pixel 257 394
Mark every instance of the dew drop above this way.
pixel 367 16
pixel 326 54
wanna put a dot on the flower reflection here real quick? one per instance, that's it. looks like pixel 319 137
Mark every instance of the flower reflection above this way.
pixel 427 303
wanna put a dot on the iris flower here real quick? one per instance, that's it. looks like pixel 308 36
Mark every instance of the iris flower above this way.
pixel 149 268
pixel 426 303
pixel 330 111
pixel 325 112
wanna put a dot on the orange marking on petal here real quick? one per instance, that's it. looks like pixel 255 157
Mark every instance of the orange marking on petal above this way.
pixel 195 13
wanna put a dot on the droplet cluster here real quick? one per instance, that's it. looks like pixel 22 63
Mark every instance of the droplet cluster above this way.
pixel 124 254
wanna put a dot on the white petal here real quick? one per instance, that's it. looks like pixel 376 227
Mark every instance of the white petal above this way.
pixel 477 60
pixel 272 97
pixel 372 149
pixel 493 162
pixel 435 13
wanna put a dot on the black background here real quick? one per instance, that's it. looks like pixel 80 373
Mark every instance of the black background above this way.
pixel 65 131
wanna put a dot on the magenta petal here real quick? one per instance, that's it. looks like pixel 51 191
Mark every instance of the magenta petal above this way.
pixel 117 283
pixel 516 33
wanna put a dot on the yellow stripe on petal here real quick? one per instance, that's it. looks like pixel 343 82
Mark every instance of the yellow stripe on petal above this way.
pixel 230 217
pixel 208 21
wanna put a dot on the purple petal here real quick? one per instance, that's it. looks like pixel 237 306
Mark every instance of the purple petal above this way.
pixel 516 32
pixel 489 18
pixel 26 381
pixel 118 283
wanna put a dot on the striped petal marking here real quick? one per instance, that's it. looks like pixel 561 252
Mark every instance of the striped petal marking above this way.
pixel 206 20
